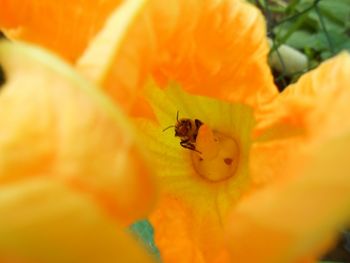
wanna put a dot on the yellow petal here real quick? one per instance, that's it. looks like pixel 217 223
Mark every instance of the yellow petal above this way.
pixel 297 218
pixel 63 26
pixel 211 48
pixel 44 221
pixel 56 123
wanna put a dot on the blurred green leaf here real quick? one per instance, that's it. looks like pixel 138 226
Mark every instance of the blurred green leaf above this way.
pixel 336 10
pixel 143 231
pixel 331 25
pixel 302 39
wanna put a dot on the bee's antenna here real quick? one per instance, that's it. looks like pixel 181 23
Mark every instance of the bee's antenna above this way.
pixel 168 127
pixel 177 119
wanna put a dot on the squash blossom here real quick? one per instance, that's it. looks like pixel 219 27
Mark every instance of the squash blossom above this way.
pixel 261 181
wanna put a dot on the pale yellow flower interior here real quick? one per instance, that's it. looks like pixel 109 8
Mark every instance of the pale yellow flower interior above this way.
pixel 205 180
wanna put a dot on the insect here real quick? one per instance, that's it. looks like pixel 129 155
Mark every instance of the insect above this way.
pixel 187 130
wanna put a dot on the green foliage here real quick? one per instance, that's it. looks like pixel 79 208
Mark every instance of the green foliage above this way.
pixel 143 231
pixel 318 28
pixel 321 32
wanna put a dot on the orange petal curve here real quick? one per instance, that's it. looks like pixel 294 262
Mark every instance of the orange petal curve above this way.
pixel 60 125
pixel 298 218
pixel 317 102
pixel 46 222
pixel 211 48
pixel 305 115
pixel 181 233
pixel 63 26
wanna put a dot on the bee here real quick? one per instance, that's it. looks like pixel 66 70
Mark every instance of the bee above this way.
pixel 187 130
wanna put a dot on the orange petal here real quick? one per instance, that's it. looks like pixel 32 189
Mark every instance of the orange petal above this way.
pixel 211 48
pixel 44 221
pixel 276 159
pixel 206 143
pixel 182 234
pixel 296 219
pixel 316 103
pixel 305 115
pixel 57 124
pixel 63 26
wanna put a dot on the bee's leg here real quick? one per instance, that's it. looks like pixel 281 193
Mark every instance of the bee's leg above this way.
pixel 188 145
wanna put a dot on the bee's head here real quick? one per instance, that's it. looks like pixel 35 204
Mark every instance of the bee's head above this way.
pixel 182 127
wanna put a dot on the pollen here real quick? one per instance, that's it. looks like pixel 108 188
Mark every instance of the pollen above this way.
pixel 217 157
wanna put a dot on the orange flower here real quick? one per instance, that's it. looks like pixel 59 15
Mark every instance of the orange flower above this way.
pixel 265 195
pixel 236 197
pixel 71 173
pixel 204 194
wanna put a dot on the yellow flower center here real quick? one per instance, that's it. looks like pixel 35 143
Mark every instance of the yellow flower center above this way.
pixel 217 157
pixel 211 168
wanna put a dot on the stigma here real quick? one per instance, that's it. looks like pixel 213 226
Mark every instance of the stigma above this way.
pixel 217 158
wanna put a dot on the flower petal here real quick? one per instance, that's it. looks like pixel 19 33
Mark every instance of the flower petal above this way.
pixel 181 234
pixel 58 124
pixel 297 218
pixel 305 115
pixel 307 103
pixel 211 48
pixel 44 221
pixel 63 26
